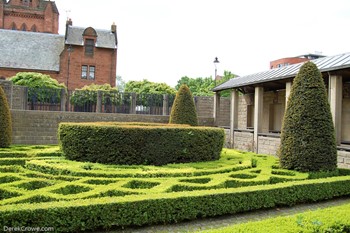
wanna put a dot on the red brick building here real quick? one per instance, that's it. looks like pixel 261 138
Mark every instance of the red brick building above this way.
pixel 293 60
pixel 80 57
pixel 29 15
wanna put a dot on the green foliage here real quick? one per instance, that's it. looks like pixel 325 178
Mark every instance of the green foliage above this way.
pixel 106 212
pixel 203 86
pixel 36 80
pixel 88 94
pixel 198 86
pixel 62 194
pixel 183 110
pixel 5 121
pixel 147 87
pixel 123 143
pixel 307 136
pixel 41 87
pixel 22 151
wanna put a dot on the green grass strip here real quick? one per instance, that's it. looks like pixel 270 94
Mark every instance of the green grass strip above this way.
pixel 333 219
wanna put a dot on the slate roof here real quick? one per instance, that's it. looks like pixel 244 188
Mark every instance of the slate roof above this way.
pixel 105 38
pixel 324 64
pixel 30 50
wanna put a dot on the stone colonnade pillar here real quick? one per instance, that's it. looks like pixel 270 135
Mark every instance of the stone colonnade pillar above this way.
pixel 233 116
pixel 335 101
pixel 258 113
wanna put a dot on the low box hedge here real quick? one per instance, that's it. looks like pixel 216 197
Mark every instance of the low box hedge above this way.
pixel 137 210
pixel 139 143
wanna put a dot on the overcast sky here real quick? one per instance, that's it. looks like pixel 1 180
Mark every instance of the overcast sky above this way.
pixel 163 40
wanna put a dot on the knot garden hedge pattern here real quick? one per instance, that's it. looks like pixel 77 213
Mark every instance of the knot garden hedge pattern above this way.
pixel 43 188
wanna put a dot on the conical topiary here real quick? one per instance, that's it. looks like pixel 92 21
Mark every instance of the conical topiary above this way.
pixel 184 110
pixel 307 136
pixel 5 121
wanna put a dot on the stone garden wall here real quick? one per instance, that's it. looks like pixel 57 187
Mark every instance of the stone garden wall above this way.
pixel 40 127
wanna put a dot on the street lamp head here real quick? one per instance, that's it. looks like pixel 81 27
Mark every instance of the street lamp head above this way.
pixel 216 60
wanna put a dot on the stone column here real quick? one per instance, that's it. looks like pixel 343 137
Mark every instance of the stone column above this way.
pixel 133 103
pixel 233 116
pixel 165 105
pixel 258 113
pixel 63 100
pixel 288 89
pixel 99 102
pixel 335 99
pixel 216 111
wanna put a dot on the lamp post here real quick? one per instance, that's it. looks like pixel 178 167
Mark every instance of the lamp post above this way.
pixel 216 61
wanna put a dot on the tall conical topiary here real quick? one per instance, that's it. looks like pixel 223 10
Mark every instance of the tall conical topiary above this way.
pixel 184 110
pixel 308 136
pixel 5 121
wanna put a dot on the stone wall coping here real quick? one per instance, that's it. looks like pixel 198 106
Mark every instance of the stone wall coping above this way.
pixel 343 148
pixel 270 135
pixel 244 130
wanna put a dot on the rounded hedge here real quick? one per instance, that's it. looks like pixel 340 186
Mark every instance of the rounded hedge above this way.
pixel 183 110
pixel 5 121
pixel 307 136
pixel 139 143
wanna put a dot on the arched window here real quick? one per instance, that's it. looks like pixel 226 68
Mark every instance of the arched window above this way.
pixel 24 27
pixel 90 36
pixel 33 29
pixel 14 27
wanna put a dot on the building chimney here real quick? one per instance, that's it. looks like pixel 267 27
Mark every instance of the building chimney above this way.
pixel 114 28
pixel 69 22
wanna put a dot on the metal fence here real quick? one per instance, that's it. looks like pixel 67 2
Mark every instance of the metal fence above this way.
pixel 98 101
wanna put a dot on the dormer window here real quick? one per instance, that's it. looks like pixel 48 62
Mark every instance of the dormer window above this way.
pixel 89 46
pixel 90 37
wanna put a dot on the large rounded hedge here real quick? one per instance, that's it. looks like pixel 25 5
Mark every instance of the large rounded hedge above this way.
pixel 5 121
pixel 139 143
pixel 184 110
pixel 307 136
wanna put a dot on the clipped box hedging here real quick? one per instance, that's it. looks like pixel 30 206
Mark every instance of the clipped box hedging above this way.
pixel 139 143
pixel 110 212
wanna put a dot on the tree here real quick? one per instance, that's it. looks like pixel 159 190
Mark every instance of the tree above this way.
pixel 88 94
pixel 307 136
pixel 183 110
pixel 227 76
pixel 147 87
pixel 5 121
pixel 203 86
pixel 41 87
pixel 36 80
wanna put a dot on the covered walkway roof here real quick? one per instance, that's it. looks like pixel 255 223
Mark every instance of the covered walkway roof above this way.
pixel 277 77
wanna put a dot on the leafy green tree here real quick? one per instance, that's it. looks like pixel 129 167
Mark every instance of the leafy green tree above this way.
pixel 5 121
pixel 147 87
pixel 227 76
pixel 184 110
pixel 307 136
pixel 203 86
pixel 36 80
pixel 41 87
pixel 88 94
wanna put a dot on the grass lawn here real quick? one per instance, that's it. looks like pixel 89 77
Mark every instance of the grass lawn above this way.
pixel 333 219
pixel 38 181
